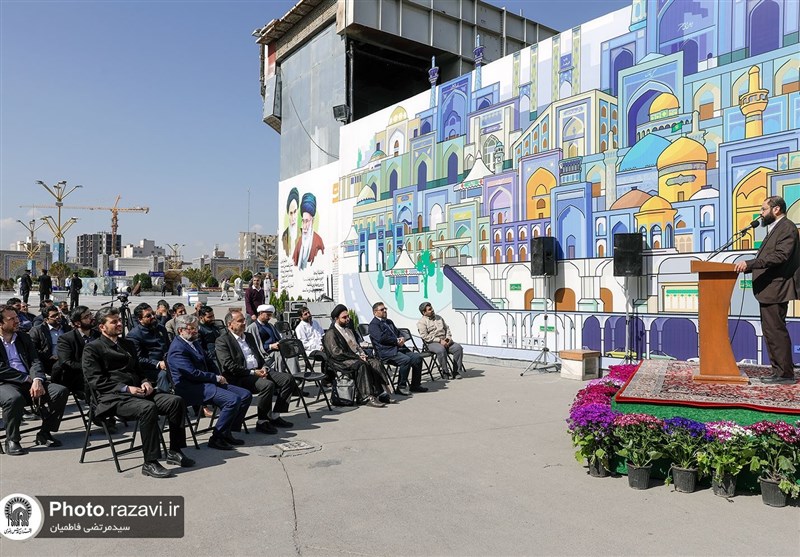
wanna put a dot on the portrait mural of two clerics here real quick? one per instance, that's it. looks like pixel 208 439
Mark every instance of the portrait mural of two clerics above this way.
pixel 670 119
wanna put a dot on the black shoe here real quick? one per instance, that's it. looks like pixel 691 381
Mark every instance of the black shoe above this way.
pixel 233 440
pixel 402 390
pixel 219 443
pixel 177 458
pixel 280 422
pixel 457 376
pixel 13 448
pixel 384 398
pixel 418 389
pixel 266 427
pixel 375 403
pixel 46 438
pixel 155 470
pixel 778 380
pixel 30 416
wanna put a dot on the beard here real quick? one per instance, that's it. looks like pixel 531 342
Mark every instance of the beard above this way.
pixel 767 219
pixel 292 233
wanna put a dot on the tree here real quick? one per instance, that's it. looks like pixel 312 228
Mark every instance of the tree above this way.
pixel 427 267
pixel 59 271
pixel 247 274
pixel 86 273
pixel 212 283
pixel 198 277
pixel 143 279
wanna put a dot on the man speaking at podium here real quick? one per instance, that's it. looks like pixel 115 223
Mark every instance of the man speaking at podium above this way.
pixel 773 270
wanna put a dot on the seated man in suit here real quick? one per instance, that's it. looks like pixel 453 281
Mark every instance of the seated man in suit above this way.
pixel 151 343
pixel 244 366
pixel 112 369
pixel 207 332
pixel 45 339
pixel 23 382
pixel 26 318
pixel 198 382
pixel 348 358
pixel 436 334
pixel 267 338
pixel 68 370
pixel 390 347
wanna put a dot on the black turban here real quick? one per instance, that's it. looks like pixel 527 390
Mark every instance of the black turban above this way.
pixel 294 195
pixel 337 311
pixel 309 204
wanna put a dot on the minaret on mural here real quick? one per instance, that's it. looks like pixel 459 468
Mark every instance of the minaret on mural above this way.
pixel 478 55
pixel 433 77
pixel 753 103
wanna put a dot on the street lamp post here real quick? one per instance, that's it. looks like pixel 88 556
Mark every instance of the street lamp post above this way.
pixel 59 192
pixel 32 248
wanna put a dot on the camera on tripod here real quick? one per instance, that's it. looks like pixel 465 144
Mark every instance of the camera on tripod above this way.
pixel 123 298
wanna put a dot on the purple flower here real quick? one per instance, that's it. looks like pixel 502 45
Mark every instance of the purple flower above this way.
pixel 594 417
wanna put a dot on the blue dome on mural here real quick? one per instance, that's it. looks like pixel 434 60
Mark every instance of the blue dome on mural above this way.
pixel 644 153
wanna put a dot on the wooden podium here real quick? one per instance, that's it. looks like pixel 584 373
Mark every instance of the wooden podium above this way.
pixel 717 364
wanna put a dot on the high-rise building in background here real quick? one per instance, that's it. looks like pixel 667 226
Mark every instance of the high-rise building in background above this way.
pixel 91 246
pixel 146 248
pixel 260 249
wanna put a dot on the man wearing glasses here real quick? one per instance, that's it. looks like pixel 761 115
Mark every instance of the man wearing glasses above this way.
pixel 390 347
pixel 773 268
pixel 68 371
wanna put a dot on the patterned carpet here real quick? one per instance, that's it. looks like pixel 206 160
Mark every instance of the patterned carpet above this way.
pixel 670 382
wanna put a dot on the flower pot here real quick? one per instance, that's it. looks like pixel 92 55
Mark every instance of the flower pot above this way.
pixel 685 479
pixel 771 494
pixel 639 476
pixel 726 487
pixel 596 469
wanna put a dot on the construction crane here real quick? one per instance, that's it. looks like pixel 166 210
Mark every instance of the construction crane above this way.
pixel 115 211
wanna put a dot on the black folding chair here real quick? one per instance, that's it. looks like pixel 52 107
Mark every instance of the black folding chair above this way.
pixel 110 442
pixel 428 358
pixel 461 371
pixel 285 329
pixel 293 348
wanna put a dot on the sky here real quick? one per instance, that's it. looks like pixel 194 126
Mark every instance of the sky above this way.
pixel 158 102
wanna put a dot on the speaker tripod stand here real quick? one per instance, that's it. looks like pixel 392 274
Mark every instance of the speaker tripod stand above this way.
pixel 546 361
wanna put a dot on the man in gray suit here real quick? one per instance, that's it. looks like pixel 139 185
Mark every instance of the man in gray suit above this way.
pixel 774 267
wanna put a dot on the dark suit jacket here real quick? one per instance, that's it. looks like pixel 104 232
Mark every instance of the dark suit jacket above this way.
pixel 40 335
pixel 25 284
pixel 231 357
pixel 45 284
pixel 192 371
pixel 775 264
pixel 70 353
pixel 151 345
pixel 109 368
pixel 29 357
pixel 75 286
pixel 384 335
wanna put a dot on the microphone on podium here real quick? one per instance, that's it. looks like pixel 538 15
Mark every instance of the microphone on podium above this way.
pixel 755 224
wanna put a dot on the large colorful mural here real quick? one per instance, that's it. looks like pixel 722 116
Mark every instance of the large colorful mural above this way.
pixel 673 119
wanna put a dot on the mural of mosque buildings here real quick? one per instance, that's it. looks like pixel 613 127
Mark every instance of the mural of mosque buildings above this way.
pixel 694 123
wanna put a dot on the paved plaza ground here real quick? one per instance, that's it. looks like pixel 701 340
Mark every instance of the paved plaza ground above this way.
pixel 481 466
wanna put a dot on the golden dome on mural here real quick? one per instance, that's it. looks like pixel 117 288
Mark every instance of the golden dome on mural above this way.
pixel 398 115
pixel 665 101
pixel 634 198
pixel 655 203
pixel 683 150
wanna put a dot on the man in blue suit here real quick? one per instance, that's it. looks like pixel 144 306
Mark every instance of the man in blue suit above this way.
pixel 390 347
pixel 198 382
